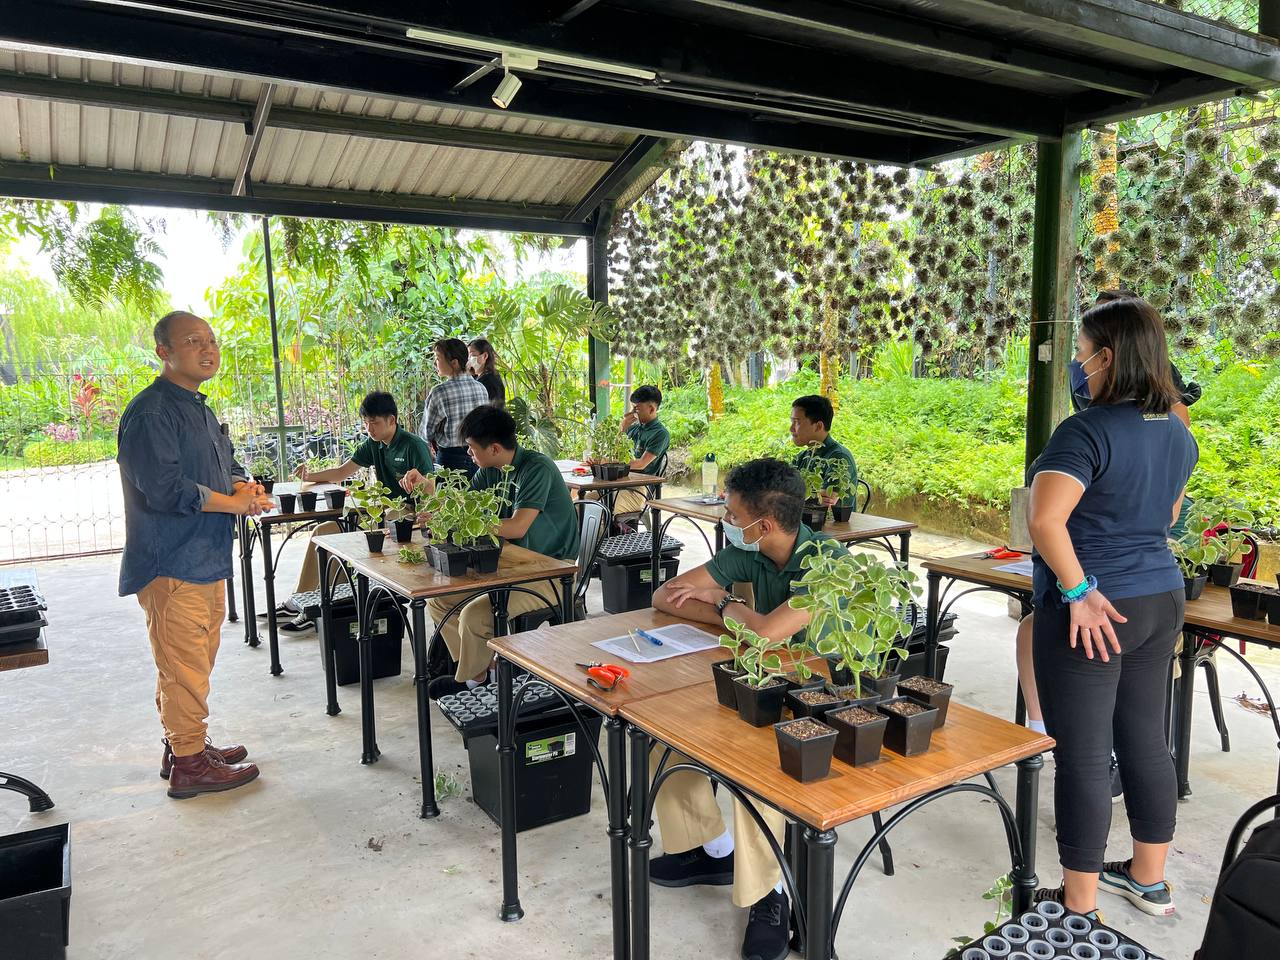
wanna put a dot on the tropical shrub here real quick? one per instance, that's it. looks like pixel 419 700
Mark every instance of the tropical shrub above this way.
pixel 57 453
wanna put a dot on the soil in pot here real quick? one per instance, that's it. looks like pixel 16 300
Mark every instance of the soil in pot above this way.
pixel 484 556
pixel 815 515
pixel 932 693
pixel 288 502
pixel 804 748
pixel 724 674
pixel 375 538
pixel 884 686
pixel 1249 600
pixel 859 734
pixel 910 725
pixel 1225 574
pixel 335 498
pixel 841 513
pixel 450 559
pixel 1195 588
pixel 760 706
pixel 403 530
pixel 813 702
pixel 794 682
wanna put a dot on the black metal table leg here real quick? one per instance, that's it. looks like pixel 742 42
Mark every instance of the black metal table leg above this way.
pixel 904 549
pixel 1185 693
pixel 821 847
pixel 369 744
pixel 1025 880
pixel 246 583
pixel 37 800
pixel 719 536
pixel 326 634
pixel 426 761
pixel 269 581
pixel 886 852
pixel 511 909
pixel 615 731
pixel 567 612
pixel 798 854
pixel 498 604
pixel 932 626
pixel 639 843
pixel 655 556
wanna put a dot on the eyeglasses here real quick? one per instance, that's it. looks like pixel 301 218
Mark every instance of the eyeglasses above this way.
pixel 198 343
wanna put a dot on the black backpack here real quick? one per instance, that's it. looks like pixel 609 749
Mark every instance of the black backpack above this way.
pixel 1244 920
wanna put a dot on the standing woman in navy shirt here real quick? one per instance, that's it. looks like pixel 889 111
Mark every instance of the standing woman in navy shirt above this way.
pixel 1108 605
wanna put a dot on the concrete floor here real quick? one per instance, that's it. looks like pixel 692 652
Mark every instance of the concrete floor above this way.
pixel 324 858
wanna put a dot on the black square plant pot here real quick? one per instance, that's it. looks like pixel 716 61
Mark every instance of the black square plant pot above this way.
pixel 267 483
pixel 1225 574
pixel 907 735
pixel 609 471
pixel 375 538
pixel 804 758
pixel 288 502
pixel 1195 587
pixel 857 743
pixel 799 702
pixel 403 530
pixel 865 698
pixel 932 693
pixel 484 557
pixel 885 686
pixel 840 676
pixel 1249 600
pixel 795 683
pixel 1273 609
pixel 450 559
pixel 841 513
pixel 760 706
pixel 814 516
pixel 335 498
pixel 308 501
pixel 724 674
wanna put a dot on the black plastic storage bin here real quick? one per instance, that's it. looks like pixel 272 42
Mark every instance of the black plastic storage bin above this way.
pixel 35 893
pixel 629 586
pixel 553 769
pixel 387 636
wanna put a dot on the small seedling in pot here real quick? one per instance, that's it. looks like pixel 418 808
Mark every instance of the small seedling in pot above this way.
pixel 761 686
pixel 411 556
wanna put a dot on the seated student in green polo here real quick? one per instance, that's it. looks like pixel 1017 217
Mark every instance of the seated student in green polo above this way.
pixel 764 500
pixel 542 519
pixel 643 428
pixel 811 419
pixel 400 459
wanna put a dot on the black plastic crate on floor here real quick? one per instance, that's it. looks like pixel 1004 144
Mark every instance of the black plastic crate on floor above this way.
pixel 388 632
pixel 629 586
pixel 35 893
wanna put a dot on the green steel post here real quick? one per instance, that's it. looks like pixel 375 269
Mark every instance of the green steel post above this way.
pixel 1053 289
pixel 598 356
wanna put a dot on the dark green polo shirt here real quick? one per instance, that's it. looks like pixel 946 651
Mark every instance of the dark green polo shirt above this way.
pixel 773 587
pixel 651 437
pixel 539 486
pixel 830 449
pixel 391 461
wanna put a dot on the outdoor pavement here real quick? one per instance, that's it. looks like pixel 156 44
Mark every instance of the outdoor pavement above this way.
pixel 325 858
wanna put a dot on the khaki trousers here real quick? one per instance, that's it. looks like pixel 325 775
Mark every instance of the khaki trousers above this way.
pixel 688 816
pixel 468 632
pixel 629 501
pixel 184 622
pixel 309 575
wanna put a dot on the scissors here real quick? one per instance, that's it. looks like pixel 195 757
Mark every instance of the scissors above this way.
pixel 604 676
pixel 1001 553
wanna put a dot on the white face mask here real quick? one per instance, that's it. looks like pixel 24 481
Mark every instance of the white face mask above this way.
pixel 736 536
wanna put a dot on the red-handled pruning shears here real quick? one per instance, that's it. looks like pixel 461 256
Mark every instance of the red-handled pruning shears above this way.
pixel 604 676
pixel 1001 553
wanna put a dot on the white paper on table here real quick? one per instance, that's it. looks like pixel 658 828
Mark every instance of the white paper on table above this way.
pixel 1023 567
pixel 677 639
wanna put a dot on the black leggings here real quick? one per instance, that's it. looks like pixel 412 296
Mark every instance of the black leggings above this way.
pixel 1091 708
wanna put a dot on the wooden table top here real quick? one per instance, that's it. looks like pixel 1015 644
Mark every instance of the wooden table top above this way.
pixel 629 482
pixel 553 652
pixel 1213 612
pixel 971 742
pixel 976 570
pixel 859 526
pixel 33 653
pixel 418 581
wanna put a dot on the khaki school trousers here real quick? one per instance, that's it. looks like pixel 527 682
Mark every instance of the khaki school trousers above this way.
pixel 184 622
pixel 467 633
pixel 688 816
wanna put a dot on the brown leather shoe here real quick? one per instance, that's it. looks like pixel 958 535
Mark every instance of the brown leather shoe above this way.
pixel 226 754
pixel 205 773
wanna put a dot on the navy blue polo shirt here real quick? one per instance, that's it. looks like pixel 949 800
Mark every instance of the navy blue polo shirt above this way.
pixel 1132 466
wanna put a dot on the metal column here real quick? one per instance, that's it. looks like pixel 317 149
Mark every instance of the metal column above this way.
pixel 598 361
pixel 281 463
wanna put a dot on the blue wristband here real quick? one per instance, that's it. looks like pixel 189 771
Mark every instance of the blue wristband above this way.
pixel 1078 593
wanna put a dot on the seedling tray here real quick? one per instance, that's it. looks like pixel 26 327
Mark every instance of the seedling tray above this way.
pixel 630 546
pixel 1049 937
pixel 309 601
pixel 475 712
pixel 19 605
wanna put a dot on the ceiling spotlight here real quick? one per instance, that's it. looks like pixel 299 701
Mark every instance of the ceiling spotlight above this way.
pixel 507 89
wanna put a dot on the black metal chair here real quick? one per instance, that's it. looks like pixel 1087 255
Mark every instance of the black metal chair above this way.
pixel 863 487
pixel 593 526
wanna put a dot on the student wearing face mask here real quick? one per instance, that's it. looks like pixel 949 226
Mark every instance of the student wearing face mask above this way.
pixel 764 500
pixel 482 363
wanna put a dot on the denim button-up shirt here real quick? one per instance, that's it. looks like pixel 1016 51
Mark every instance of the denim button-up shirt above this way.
pixel 172 454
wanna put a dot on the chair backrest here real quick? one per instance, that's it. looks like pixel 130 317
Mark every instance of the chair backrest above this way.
pixel 866 504
pixel 593 527
pixel 1251 558
pixel 660 468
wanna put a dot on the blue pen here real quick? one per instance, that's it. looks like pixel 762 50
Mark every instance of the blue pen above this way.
pixel 650 637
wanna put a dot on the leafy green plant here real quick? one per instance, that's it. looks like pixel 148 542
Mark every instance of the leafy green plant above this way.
pixel 1001 894
pixel 411 556
pixel 55 453
pixel 759 658
pixel 445 505
pixel 370 502
pixel 815 471
pixel 263 468
pixel 607 444
pixel 481 512
pixel 853 601
pixel 840 482
pixel 1194 551
pixel 1238 518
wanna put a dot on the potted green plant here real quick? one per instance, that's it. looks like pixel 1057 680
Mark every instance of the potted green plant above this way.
pixel 724 673
pixel 1249 599
pixel 478 521
pixel 609 451
pixel 446 506
pixel 911 725
pixel 1194 554
pixel 264 471
pixel 402 527
pixel 815 702
pixel 859 733
pixel 804 748
pixel 760 687
pixel 813 472
pixel 370 502
pixel 841 485
pixel 1233 541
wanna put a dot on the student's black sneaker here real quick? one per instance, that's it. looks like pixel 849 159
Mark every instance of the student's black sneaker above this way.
pixel 1117 788
pixel 691 868
pixel 1155 899
pixel 1058 895
pixel 768 936
pixel 299 624
pixel 446 686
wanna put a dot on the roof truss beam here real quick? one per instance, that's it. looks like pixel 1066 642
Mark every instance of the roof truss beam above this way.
pixel 257 127
pixel 640 156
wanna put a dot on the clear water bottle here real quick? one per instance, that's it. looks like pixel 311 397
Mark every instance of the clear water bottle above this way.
pixel 710 475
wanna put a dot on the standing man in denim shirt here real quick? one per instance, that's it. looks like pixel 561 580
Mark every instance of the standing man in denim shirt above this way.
pixel 182 485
